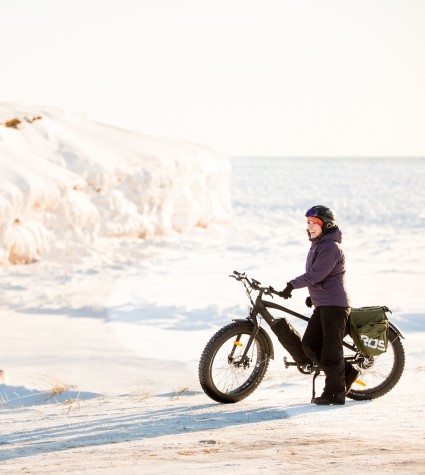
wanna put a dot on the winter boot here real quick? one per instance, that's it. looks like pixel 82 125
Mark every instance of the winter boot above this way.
pixel 327 399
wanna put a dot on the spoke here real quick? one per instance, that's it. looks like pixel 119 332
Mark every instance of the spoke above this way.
pixel 226 374
pixel 379 371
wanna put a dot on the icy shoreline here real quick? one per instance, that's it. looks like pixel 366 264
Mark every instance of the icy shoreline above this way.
pixel 68 180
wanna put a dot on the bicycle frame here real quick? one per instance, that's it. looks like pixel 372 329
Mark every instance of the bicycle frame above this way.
pixel 260 307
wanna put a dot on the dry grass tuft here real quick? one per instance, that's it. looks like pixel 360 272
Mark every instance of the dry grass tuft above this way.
pixel 143 396
pixel 16 123
pixel 72 404
pixel 180 392
pixel 56 387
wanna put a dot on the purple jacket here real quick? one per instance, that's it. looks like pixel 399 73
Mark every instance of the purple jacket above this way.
pixel 325 271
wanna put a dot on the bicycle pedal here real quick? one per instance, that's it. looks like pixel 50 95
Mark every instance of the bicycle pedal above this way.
pixel 288 363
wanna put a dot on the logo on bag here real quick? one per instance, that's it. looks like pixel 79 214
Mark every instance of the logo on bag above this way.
pixel 373 343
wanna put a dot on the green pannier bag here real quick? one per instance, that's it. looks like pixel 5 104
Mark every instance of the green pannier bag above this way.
pixel 369 329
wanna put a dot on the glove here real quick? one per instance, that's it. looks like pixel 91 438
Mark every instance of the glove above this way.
pixel 286 292
pixel 308 302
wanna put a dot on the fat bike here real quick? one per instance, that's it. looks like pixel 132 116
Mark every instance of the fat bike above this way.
pixel 236 358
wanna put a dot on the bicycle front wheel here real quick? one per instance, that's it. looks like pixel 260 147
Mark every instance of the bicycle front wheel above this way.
pixel 223 373
pixel 379 374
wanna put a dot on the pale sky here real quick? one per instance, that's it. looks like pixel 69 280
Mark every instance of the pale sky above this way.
pixel 246 77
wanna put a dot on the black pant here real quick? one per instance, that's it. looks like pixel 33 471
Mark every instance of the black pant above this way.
pixel 322 343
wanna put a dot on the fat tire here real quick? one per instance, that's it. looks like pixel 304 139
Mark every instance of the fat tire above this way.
pixel 393 377
pixel 206 362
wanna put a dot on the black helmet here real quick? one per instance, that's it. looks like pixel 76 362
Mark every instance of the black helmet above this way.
pixel 325 214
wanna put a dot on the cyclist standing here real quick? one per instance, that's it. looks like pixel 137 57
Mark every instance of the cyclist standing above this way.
pixel 325 280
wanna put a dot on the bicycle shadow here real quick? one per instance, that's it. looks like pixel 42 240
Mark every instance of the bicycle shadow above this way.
pixel 303 409
pixel 144 423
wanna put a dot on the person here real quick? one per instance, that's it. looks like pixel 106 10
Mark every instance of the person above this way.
pixel 325 279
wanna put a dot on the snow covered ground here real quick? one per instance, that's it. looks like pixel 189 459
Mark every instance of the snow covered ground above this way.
pixel 120 326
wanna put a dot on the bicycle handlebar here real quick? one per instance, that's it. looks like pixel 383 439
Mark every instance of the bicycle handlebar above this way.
pixel 254 284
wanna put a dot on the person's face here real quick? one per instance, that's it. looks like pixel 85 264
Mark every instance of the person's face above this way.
pixel 313 228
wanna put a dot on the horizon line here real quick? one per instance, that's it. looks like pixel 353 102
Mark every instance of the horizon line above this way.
pixel 350 157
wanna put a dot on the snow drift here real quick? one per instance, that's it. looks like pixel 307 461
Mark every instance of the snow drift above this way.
pixel 66 179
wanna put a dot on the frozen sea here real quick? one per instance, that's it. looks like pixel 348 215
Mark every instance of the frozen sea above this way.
pixel 380 207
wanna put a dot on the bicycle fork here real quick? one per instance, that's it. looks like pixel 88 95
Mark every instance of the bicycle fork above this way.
pixel 236 343
pixel 253 318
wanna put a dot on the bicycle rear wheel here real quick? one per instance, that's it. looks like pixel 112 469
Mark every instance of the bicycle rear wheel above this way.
pixel 223 375
pixel 379 374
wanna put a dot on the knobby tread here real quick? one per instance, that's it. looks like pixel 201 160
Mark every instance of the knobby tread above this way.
pixel 207 358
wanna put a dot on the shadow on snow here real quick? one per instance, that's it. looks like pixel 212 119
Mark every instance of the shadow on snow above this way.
pixel 180 418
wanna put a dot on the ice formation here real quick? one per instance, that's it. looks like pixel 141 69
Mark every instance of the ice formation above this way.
pixel 66 179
